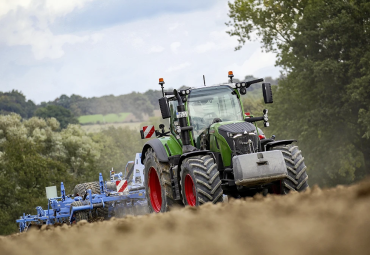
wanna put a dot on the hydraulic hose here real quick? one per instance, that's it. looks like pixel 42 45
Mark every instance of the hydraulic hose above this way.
pixel 178 97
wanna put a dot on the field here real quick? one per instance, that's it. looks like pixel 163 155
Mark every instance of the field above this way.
pixel 130 121
pixel 99 118
pixel 98 127
pixel 334 221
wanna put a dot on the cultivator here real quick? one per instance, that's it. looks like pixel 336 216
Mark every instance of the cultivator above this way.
pixel 123 194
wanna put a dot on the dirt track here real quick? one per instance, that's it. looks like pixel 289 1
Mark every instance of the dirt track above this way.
pixel 335 221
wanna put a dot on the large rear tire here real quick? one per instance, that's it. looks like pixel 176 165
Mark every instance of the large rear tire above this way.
pixel 297 179
pixel 157 182
pixel 200 181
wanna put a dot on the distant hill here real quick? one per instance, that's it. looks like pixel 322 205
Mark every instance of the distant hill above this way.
pixel 140 105
pixel 137 103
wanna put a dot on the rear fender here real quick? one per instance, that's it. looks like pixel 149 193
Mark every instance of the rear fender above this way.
pixel 158 148
pixel 270 145
pixel 193 154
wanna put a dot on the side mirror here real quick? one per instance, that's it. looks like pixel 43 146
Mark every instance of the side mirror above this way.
pixel 267 93
pixel 165 110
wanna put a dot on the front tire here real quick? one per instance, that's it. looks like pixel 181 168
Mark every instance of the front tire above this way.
pixel 155 180
pixel 200 181
pixel 297 175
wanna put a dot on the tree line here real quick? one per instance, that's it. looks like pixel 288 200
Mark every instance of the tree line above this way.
pixel 135 102
pixel 66 109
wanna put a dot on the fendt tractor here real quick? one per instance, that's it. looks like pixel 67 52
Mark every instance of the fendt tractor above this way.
pixel 214 149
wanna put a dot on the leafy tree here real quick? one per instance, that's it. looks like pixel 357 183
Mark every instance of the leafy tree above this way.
pixel 136 103
pixel 63 115
pixel 64 101
pixel 81 153
pixel 324 98
pixel 34 154
pixel 24 175
pixel 16 102
pixel 253 105
pixel 154 95
pixel 117 147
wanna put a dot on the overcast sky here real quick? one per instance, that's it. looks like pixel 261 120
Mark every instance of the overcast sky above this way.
pixel 94 48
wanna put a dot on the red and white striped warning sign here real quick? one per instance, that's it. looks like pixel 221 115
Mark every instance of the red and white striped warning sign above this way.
pixel 121 186
pixel 148 131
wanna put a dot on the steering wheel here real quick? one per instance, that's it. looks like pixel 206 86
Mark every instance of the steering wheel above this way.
pixel 209 115
pixel 198 122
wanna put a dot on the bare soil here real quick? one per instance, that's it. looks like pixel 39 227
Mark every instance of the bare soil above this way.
pixel 333 221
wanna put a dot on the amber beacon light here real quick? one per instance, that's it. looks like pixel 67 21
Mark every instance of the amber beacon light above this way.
pixel 231 75
pixel 161 82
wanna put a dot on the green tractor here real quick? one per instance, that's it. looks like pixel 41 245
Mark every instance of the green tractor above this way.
pixel 213 149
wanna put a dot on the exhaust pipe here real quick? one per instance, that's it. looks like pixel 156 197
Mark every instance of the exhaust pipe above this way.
pixel 185 129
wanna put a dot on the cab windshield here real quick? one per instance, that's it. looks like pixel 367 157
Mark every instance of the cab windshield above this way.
pixel 205 105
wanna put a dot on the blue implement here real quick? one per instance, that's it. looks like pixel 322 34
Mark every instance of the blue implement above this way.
pixel 118 197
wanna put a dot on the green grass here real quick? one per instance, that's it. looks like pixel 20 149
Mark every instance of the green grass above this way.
pixel 94 128
pixel 109 118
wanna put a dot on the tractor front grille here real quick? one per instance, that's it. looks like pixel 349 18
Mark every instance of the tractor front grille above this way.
pixel 245 144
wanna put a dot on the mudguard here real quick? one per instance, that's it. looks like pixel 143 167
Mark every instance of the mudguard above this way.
pixel 158 148
pixel 277 143
pixel 192 154
pixel 195 153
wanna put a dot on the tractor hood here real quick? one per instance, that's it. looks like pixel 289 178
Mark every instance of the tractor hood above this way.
pixel 237 128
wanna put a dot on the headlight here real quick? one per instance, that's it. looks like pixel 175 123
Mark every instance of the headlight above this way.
pixel 233 136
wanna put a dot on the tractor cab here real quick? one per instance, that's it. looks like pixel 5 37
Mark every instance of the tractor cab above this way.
pixel 210 105
pixel 203 107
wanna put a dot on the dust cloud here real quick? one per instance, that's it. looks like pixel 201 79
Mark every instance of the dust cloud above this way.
pixel 332 221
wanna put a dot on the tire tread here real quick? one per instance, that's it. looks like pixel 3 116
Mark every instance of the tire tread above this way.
pixel 297 176
pixel 207 177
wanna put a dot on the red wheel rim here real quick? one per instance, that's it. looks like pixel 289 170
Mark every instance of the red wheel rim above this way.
pixel 189 190
pixel 155 190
